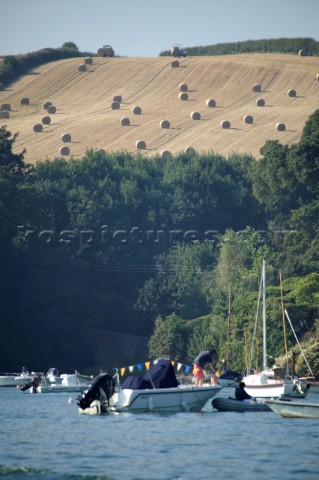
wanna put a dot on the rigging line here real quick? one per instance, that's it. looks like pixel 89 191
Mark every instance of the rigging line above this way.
pixel 255 327
pixel 292 328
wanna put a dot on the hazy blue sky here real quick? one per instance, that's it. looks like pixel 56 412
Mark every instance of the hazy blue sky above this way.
pixel 144 28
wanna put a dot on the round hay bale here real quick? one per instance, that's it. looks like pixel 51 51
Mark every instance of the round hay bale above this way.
pixel 175 64
pixel 46 120
pixel 189 150
pixel 140 145
pixel 65 151
pixel 137 110
pixel 1 86
pixel 46 105
pixel 281 127
pixel 82 67
pixel 101 52
pixel 51 109
pixel 195 116
pixel 260 102
pixel 303 52
pixel 262 151
pixel 117 98
pixel 166 154
pixel 183 96
pixel 210 103
pixel 165 124
pixel 257 87
pixel 115 105
pixel 66 137
pixel 225 124
pixel 100 150
pixel 292 93
pixel 183 87
pixel 125 122
pixel 24 101
pixel 317 77
pixel 37 127
pixel 248 119
pixel 6 106
pixel 88 61
pixel 4 114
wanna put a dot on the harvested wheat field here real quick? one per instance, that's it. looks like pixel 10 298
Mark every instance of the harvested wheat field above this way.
pixel 219 89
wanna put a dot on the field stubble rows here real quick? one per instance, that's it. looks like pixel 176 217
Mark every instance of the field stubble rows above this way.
pixel 83 101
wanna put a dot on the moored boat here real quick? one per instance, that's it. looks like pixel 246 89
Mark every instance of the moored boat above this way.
pixel 228 404
pixel 289 409
pixel 53 383
pixel 15 379
pixel 267 384
pixel 157 391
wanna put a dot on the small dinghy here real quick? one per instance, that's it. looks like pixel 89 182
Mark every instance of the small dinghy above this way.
pixel 228 404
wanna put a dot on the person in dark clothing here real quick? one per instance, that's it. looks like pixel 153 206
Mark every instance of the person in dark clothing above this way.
pixel 241 394
pixel 202 359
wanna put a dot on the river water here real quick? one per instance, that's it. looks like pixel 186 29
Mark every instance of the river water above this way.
pixel 43 437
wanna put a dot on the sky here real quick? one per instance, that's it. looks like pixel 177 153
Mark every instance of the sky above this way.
pixel 144 28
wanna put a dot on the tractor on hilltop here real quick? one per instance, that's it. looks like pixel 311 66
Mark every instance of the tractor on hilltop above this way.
pixel 177 52
pixel 106 51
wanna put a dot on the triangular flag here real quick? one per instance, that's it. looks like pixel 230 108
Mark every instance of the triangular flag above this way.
pixel 131 368
pixel 187 368
pixel 140 366
pixel 122 371
pixel 147 365
pixel 172 362
pixel 179 366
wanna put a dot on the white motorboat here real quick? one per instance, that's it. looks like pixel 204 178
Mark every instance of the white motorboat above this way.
pixel 157 391
pixel 290 409
pixel 53 383
pixel 7 379
pixel 266 384
pixel 15 379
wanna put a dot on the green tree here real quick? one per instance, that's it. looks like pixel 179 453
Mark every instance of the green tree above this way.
pixel 168 339
pixel 71 45
pixel 304 157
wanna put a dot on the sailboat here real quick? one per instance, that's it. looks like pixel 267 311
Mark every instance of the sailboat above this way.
pixel 267 384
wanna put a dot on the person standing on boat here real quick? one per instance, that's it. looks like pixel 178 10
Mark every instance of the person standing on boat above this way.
pixel 202 359
pixel 240 392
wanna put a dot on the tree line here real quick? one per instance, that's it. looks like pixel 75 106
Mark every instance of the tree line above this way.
pixel 272 45
pixel 157 248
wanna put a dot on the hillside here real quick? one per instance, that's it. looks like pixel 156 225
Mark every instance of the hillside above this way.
pixel 83 101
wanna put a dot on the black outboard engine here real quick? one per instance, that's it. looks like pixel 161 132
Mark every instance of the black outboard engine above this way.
pixel 102 389
pixel 33 384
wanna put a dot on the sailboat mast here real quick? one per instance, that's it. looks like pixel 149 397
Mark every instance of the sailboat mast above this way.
pixel 228 330
pixel 264 316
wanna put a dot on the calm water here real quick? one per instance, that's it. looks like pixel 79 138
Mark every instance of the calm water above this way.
pixel 43 437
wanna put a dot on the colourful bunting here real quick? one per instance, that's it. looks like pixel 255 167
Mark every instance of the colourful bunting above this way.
pixel 147 365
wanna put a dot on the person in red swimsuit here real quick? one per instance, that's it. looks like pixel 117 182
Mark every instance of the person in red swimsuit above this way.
pixel 202 359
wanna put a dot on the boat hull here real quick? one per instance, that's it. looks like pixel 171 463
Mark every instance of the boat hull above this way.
pixel 224 404
pixel 8 381
pixel 265 391
pixel 294 409
pixel 161 400
pixel 61 388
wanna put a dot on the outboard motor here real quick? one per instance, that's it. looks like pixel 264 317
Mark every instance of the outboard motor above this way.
pixel 32 385
pixel 102 388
